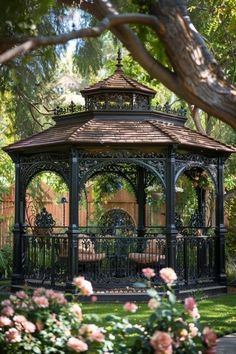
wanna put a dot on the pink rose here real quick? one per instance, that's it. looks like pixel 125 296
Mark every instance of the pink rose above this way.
pixel 193 330
pixel 5 321
pixel 148 273
pixel 97 336
pixel 168 275
pixel 209 337
pixel 153 304
pixel 130 307
pixel 56 296
pixel 6 303
pixel 76 309
pixel 39 292
pixel 87 329
pixel 94 298
pixel 191 307
pixel 21 295
pixel 77 345
pixel 189 304
pixel 161 342
pixel 84 285
pixel 13 336
pixel 29 327
pixel 8 311
pixel 41 301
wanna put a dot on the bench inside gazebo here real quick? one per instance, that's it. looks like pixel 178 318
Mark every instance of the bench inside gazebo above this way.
pixel 120 133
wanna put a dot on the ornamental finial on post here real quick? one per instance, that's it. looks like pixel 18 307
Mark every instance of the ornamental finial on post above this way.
pixel 119 59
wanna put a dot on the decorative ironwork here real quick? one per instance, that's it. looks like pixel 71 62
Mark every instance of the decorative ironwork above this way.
pixel 35 164
pixel 44 222
pixel 187 161
pixel 120 260
pixel 117 221
pixel 118 101
pixel 166 108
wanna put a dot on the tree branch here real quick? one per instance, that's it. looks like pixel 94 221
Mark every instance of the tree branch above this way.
pixel 107 23
pixel 195 113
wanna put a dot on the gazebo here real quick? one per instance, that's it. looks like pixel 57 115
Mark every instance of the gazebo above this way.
pixel 118 132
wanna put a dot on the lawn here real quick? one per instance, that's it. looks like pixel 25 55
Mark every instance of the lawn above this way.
pixel 217 312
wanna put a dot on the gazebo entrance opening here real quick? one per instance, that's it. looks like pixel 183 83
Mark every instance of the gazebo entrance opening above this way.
pixel 176 176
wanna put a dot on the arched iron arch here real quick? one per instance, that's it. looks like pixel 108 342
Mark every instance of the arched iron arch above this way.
pixel 98 166
pixel 37 168
pixel 119 173
pixel 192 164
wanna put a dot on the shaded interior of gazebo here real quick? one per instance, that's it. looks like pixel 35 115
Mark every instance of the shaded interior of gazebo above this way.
pixel 118 132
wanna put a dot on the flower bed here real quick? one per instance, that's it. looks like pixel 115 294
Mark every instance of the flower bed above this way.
pixel 46 322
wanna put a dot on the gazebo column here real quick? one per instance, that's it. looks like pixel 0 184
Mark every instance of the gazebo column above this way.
pixel 171 231
pixel 220 229
pixel 17 274
pixel 73 222
pixel 141 199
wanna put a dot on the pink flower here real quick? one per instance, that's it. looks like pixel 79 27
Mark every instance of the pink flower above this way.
pixel 77 345
pixel 13 336
pixel 189 304
pixel 97 336
pixel 6 303
pixel 84 285
pixel 76 309
pixel 153 304
pixel 19 322
pixel 41 301
pixel 21 295
pixel 87 329
pixel 94 298
pixel 209 337
pixel 5 321
pixel 148 273
pixel 56 296
pixel 193 330
pixel 39 292
pixel 8 311
pixel 168 275
pixel 161 342
pixel 29 327
pixel 191 307
pixel 130 307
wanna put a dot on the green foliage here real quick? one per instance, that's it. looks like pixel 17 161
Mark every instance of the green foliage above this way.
pixel 6 257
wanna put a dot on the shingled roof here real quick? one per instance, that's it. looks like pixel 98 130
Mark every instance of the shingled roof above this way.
pixel 117 131
pixel 118 81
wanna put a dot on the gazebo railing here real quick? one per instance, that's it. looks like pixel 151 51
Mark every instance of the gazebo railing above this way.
pixel 117 261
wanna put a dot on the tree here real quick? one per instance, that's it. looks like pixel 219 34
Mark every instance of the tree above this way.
pixel 193 73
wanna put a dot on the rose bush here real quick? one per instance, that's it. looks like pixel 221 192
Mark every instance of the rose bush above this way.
pixel 46 322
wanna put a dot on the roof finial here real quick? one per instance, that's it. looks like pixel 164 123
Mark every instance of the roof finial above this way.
pixel 119 59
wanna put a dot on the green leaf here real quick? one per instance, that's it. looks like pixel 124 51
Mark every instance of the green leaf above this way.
pixel 152 293
pixel 172 297
pixel 139 285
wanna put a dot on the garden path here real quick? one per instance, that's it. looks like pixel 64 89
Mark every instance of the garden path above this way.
pixel 226 344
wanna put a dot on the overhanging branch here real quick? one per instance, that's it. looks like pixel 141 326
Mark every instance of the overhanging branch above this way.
pixel 107 23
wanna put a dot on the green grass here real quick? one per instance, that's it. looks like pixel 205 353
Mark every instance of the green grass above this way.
pixel 217 312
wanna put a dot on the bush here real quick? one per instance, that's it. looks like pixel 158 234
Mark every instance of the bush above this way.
pixel 6 261
pixel 45 322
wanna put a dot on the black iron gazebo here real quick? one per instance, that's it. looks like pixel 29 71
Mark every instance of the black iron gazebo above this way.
pixel 118 132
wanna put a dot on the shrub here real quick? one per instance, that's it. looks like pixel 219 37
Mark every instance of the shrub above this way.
pixel 45 322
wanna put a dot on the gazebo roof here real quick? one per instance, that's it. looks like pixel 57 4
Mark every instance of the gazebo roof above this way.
pixel 118 112
pixel 100 131
pixel 118 82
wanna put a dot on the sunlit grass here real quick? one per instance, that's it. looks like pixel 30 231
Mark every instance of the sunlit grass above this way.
pixel 217 312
